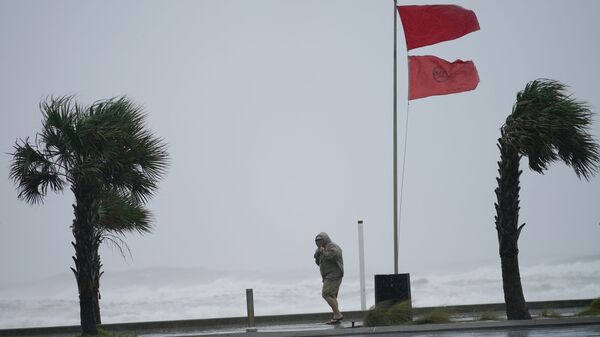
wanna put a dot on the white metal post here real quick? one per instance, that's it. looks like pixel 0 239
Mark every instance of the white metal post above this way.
pixel 361 259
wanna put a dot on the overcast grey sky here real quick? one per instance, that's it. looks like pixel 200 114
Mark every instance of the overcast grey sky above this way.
pixel 278 116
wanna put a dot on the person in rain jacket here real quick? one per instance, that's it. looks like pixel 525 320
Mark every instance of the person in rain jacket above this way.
pixel 328 257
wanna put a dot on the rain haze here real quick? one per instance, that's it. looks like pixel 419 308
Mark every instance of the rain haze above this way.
pixel 278 120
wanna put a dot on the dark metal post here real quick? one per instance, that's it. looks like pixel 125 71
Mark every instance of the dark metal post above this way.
pixel 250 307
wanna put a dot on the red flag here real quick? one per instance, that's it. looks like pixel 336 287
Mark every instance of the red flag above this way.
pixel 430 76
pixel 431 24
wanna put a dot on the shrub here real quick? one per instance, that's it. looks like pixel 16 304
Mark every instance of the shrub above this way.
pixel 488 316
pixel 436 316
pixel 389 313
pixel 105 333
pixel 377 315
pixel 550 314
pixel 592 310
pixel 400 313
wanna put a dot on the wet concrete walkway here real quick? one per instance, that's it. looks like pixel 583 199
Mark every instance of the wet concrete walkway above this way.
pixel 555 327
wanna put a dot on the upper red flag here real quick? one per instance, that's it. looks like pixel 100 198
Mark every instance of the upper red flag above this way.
pixel 431 24
pixel 430 76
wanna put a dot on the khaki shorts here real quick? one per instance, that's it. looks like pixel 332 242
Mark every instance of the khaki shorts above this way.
pixel 331 287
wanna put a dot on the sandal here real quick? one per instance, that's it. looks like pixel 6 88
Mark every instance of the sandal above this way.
pixel 335 320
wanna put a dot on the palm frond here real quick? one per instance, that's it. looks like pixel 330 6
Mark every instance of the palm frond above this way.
pixel 547 124
pixel 117 241
pixel 59 136
pixel 131 156
pixel 33 173
pixel 119 213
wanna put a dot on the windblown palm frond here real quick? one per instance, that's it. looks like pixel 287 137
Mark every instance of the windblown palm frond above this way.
pixel 119 213
pixel 131 157
pixel 59 135
pixel 33 173
pixel 546 125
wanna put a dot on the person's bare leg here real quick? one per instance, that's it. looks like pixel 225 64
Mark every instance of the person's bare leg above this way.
pixel 333 303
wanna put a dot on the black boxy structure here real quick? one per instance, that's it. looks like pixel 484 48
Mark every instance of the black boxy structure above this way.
pixel 392 287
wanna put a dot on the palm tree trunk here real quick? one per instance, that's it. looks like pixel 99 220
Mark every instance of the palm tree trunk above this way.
pixel 84 260
pixel 507 218
pixel 97 273
pixel 516 307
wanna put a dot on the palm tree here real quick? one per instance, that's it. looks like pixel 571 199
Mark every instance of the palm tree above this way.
pixel 545 125
pixel 111 163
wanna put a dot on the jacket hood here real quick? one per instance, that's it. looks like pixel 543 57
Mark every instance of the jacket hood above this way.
pixel 325 237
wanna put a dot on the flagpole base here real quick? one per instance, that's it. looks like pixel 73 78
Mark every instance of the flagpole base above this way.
pixel 393 288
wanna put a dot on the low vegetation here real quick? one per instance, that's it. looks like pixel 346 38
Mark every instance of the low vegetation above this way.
pixel 389 313
pixel 436 316
pixel 592 310
pixel 105 333
pixel 550 314
pixel 488 316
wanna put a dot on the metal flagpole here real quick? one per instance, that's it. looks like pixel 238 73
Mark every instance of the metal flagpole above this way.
pixel 404 154
pixel 397 286
pixel 395 146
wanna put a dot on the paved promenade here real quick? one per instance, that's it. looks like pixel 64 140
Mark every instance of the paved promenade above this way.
pixel 556 327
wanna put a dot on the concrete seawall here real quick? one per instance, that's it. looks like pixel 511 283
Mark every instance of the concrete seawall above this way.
pixel 240 322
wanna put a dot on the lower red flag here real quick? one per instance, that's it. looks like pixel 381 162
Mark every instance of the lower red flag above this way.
pixel 430 75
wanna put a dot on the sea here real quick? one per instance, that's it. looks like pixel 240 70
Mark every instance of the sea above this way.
pixel 159 294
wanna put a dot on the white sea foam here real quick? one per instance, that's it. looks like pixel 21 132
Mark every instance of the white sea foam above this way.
pixel 172 294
